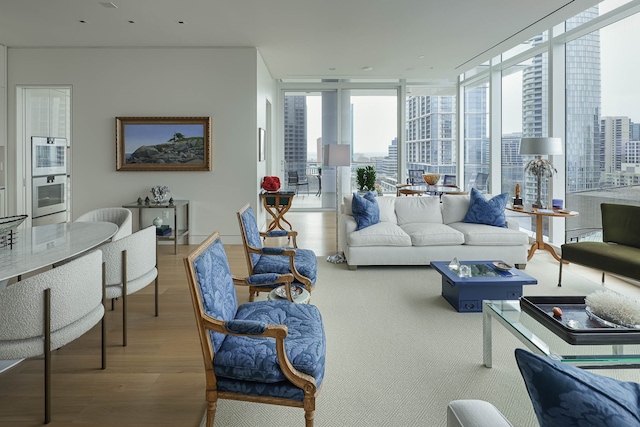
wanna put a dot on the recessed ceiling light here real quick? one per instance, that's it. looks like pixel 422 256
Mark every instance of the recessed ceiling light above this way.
pixel 421 56
pixel 332 69
pixel 367 68
pixel 108 5
pixel 131 21
pixel 180 22
pixel 82 21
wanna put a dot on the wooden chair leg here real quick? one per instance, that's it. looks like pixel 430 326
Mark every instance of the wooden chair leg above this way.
pixel 211 413
pixel 309 417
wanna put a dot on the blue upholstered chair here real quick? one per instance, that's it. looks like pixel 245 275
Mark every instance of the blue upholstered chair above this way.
pixel 302 263
pixel 265 351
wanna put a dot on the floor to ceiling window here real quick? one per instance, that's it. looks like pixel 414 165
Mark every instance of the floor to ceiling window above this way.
pixel 603 120
pixel 366 119
pixel 476 136
pixel 430 133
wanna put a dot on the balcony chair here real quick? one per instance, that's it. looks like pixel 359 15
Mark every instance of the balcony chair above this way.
pixel 131 264
pixel 479 182
pixel 302 263
pixel 295 180
pixel 49 310
pixel 121 217
pixel 289 368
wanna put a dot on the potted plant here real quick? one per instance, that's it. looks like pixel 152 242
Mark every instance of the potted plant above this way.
pixel 366 178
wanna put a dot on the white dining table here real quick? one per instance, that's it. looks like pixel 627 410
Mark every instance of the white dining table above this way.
pixel 46 245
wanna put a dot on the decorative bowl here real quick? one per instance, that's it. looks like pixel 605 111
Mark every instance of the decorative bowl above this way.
pixel 431 178
pixel 10 223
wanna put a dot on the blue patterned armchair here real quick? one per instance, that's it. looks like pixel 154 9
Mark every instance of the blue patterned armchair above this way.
pixel 302 263
pixel 265 351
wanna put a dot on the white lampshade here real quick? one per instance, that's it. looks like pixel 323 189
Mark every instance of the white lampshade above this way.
pixel 540 146
pixel 336 155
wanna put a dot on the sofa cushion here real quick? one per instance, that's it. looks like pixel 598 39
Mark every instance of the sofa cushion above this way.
pixel 454 208
pixel 380 234
pixel 483 211
pixel 411 209
pixel 564 395
pixel 346 205
pixel 482 235
pixel 429 234
pixel 387 205
pixel 365 210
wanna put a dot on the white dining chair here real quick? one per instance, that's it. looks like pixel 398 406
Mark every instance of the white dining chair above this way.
pixel 49 310
pixel 130 264
pixel 121 217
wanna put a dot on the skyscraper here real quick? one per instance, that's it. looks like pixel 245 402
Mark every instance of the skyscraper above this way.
pixel 295 133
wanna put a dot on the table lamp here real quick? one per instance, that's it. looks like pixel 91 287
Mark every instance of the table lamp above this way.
pixel 540 167
pixel 337 155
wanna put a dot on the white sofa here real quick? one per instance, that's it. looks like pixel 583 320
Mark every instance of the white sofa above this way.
pixel 416 230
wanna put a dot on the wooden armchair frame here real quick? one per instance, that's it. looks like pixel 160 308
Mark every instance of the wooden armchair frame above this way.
pixel 206 323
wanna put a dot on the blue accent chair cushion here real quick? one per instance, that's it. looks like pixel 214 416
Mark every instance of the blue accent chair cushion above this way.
pixel 255 359
pixel 483 211
pixel 564 395
pixel 365 209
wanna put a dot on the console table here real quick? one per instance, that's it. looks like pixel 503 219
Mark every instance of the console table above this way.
pixel 175 233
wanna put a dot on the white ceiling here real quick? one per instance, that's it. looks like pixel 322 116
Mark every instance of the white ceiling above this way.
pixel 411 39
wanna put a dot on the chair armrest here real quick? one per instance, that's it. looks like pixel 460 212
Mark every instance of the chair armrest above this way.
pixel 263 279
pixel 278 251
pixel 246 327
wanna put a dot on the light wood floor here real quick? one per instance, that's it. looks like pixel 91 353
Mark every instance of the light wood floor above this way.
pixel 157 380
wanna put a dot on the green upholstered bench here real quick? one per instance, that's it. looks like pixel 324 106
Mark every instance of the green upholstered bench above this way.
pixel 619 251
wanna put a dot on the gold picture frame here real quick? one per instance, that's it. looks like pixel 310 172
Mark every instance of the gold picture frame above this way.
pixel 163 143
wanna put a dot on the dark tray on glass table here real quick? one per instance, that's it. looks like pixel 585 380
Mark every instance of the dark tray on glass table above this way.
pixel 573 308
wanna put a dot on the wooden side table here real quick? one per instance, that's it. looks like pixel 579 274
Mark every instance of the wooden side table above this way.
pixel 539 214
pixel 277 204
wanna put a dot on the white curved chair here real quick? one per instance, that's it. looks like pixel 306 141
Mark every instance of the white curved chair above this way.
pixel 121 217
pixel 130 264
pixel 51 309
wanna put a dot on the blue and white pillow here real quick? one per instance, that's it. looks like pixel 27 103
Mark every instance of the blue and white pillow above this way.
pixel 483 211
pixel 564 395
pixel 365 209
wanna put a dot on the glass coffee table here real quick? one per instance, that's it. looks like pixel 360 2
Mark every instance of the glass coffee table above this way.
pixel 541 340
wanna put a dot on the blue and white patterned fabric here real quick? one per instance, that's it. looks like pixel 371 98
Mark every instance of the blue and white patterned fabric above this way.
pixel 564 395
pixel 216 287
pixel 365 210
pixel 255 359
pixel 305 259
pixel 483 211
pixel 249 365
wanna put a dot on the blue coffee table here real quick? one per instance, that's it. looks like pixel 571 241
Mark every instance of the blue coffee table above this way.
pixel 483 282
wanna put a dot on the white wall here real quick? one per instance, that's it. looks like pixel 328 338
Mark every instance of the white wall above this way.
pixel 107 83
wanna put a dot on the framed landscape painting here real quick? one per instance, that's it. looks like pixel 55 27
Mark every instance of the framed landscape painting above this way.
pixel 163 143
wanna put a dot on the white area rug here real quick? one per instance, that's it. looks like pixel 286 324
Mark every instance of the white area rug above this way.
pixel 397 352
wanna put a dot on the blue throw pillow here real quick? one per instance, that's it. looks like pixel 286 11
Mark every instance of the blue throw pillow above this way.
pixel 483 211
pixel 564 395
pixel 365 210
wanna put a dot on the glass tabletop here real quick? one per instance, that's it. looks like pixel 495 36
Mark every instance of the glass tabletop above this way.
pixel 539 339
